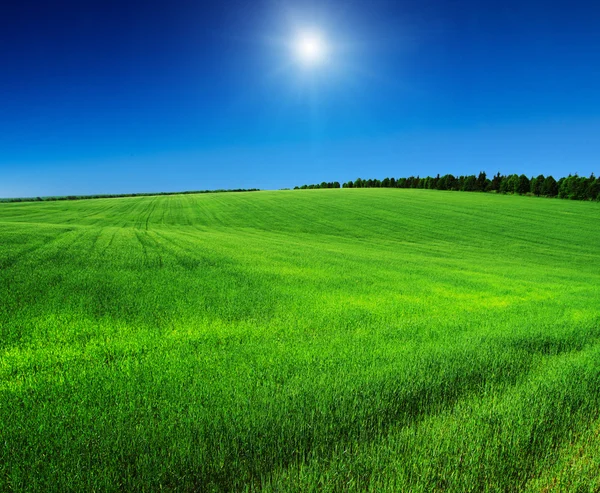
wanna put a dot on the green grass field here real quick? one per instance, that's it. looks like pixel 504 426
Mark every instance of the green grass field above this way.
pixel 330 340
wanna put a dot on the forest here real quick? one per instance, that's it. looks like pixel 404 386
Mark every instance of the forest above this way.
pixel 572 187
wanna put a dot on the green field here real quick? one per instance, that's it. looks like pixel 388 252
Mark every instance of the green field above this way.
pixel 330 340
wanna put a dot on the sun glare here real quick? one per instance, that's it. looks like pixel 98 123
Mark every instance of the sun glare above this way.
pixel 310 49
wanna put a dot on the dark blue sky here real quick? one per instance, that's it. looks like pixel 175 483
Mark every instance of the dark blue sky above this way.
pixel 127 96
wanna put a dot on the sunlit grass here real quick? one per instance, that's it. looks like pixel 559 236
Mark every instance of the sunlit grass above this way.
pixel 329 339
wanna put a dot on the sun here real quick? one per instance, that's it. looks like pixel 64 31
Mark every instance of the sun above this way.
pixel 310 49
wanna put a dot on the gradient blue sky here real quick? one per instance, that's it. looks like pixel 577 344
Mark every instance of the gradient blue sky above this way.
pixel 131 96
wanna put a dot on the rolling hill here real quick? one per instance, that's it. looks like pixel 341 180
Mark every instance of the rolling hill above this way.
pixel 331 340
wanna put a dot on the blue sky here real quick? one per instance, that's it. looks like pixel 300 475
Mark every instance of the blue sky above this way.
pixel 131 96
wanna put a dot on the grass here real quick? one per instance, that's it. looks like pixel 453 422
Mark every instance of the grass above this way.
pixel 330 340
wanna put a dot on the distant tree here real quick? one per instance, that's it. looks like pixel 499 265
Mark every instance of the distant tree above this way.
pixel 494 185
pixel 537 185
pixel 469 184
pixel 550 187
pixel 574 188
pixel 415 182
pixel 593 190
pixel 512 183
pixel 481 181
pixel 559 184
pixel 523 185
pixel 451 182
pixel 442 183
pixel 578 185
pixel 587 187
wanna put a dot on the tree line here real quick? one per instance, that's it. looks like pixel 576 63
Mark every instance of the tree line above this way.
pixel 325 184
pixel 572 187
pixel 120 195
